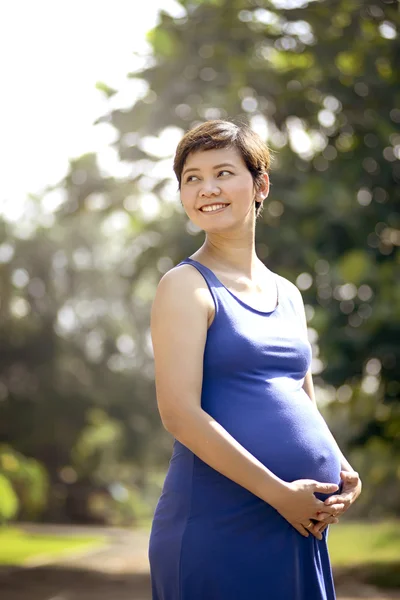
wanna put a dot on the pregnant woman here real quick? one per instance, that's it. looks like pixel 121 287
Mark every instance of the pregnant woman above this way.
pixel 255 477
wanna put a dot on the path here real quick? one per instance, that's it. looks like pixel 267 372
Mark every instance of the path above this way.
pixel 118 571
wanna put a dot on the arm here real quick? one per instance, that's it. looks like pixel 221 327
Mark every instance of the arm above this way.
pixel 179 331
pixel 308 387
pixel 352 485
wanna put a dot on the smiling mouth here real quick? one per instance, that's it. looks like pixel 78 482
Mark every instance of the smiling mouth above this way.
pixel 213 208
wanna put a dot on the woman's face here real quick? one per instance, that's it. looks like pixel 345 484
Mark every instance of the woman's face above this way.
pixel 218 180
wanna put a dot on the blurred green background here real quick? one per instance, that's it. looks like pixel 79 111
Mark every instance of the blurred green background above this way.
pixel 81 438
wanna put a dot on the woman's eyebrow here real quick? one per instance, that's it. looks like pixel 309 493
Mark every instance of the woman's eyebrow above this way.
pixel 214 167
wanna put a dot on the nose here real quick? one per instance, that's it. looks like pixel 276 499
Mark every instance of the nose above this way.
pixel 209 189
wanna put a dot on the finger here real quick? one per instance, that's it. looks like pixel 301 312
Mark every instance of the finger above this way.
pixel 335 509
pixel 315 532
pixel 321 526
pixel 325 488
pixel 310 530
pixel 322 516
pixel 339 509
pixel 349 475
pixel 343 496
pixel 330 510
pixel 333 500
pixel 327 516
pixel 342 499
pixel 328 519
pixel 301 529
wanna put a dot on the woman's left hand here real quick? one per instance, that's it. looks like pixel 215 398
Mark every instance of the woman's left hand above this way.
pixel 351 489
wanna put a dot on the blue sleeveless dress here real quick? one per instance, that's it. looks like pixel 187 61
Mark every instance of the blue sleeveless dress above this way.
pixel 212 539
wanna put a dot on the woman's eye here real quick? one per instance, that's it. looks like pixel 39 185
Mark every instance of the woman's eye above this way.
pixel 192 177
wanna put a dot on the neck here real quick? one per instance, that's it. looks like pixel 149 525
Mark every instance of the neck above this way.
pixel 237 254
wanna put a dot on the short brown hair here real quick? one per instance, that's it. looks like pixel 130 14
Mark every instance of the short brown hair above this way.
pixel 216 134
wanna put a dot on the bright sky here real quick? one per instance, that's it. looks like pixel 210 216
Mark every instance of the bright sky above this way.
pixel 53 53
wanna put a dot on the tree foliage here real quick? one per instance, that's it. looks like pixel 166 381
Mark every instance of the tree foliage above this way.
pixel 319 81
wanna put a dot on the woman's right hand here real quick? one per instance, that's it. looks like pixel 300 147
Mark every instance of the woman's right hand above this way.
pixel 298 504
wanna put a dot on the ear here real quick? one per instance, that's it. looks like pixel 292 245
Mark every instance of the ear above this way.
pixel 263 190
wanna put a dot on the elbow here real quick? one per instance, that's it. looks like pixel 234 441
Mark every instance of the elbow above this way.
pixel 168 425
pixel 176 422
pixel 169 421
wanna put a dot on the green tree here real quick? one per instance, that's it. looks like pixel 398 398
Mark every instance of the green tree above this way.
pixel 329 111
pixel 319 81
pixel 23 486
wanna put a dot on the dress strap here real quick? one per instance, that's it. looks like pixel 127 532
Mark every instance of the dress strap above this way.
pixel 213 283
pixel 208 275
pixel 225 295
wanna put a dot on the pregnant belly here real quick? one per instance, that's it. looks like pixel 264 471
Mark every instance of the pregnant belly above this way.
pixel 283 431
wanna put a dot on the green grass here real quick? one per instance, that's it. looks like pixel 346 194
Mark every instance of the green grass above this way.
pixel 353 544
pixel 367 552
pixel 18 547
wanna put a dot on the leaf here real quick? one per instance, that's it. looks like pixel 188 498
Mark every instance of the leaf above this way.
pixel 8 500
pixel 162 42
pixel 354 266
pixel 106 89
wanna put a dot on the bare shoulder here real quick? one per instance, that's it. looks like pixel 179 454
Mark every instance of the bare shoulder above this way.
pixel 290 289
pixel 179 333
pixel 293 295
pixel 182 288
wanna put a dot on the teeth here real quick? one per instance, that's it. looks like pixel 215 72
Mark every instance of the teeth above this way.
pixel 213 207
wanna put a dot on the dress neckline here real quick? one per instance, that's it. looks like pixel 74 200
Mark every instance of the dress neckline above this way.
pixel 255 310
